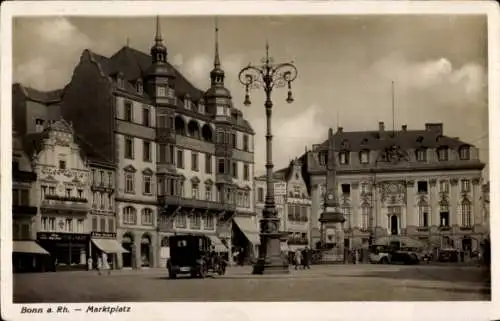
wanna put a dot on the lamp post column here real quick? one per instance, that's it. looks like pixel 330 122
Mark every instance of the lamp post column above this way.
pixel 269 76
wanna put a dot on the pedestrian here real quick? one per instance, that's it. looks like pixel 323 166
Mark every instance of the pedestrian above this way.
pixel 306 258
pixel 356 256
pixel 298 258
pixel 105 264
pixel 235 255
pixel 89 264
pixel 99 265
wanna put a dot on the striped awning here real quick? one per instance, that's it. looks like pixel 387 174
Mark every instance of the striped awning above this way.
pixel 248 228
pixel 217 243
pixel 28 247
pixel 109 246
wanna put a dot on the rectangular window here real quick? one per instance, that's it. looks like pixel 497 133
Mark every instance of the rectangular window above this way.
pixel 421 155
pixel 180 220
pixel 364 157
pixel 234 140
pixel 94 224
pixel 444 187
pixel 209 222
pixel 195 193
pixel 161 91
pixel 260 195
pixel 69 225
pixel 220 166
pixel 208 192
pixel 129 148
pixel 103 225
pixel 344 158
pixel 464 153
pixel 62 164
pixel 208 163
pixel 194 161
pixel 129 183
pixel 443 154
pixel 444 218
pixel 128 115
pixel 235 169
pixel 195 221
pixel 245 143
pixel 465 185
pixel 147 184
pixel 365 216
pixel 346 189
pixel 422 187
pixel 161 121
pixel 146 151
pixel 110 179
pixel 102 177
pixel 146 118
pixel 80 226
pixel 171 154
pixel 180 159
pixel 162 153
pixel 111 225
pixel 246 172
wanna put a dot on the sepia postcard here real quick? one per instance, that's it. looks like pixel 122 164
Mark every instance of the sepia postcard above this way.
pixel 247 160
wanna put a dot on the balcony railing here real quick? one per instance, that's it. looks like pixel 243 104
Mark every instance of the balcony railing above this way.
pixel 195 203
pixel 66 198
pixel 423 229
pixel 445 228
pixel 48 205
pixel 300 241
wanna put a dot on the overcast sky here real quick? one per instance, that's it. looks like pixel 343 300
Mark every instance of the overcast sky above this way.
pixel 346 65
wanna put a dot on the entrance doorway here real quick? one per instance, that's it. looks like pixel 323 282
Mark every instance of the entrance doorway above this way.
pixel 394 225
pixel 145 250
pixel 127 242
pixel 467 245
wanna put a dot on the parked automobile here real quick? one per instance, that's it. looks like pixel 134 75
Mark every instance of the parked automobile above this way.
pixel 193 255
pixel 385 254
pixel 448 255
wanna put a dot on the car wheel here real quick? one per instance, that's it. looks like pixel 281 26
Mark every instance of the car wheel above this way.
pixel 384 260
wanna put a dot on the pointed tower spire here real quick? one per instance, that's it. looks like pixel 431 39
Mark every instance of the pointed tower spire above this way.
pixel 216 58
pixel 217 74
pixel 331 197
pixel 158 50
pixel 158 37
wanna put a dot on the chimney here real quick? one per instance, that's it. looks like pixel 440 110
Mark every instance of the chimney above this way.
pixel 340 129
pixel 434 127
pixel 381 126
pixel 404 128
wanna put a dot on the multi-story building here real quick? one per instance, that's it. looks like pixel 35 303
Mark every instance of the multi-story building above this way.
pixel 486 205
pixel 183 156
pixel 292 203
pixel 61 192
pixel 418 183
pixel 24 211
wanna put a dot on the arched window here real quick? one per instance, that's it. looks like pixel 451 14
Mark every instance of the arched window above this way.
pixel 129 215
pixel 423 214
pixel 444 214
pixel 147 216
pixel 466 213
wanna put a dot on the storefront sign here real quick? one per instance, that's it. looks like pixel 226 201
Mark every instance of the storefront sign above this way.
pixel 64 237
pixel 103 235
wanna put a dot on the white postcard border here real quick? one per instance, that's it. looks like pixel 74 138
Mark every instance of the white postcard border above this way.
pixel 235 310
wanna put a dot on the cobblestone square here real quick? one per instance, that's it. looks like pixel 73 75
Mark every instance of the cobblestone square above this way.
pixel 321 283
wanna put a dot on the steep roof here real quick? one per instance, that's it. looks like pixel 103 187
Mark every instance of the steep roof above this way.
pixel 44 97
pixel 134 64
pixel 432 137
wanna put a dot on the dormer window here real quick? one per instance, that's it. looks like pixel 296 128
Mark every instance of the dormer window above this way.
pixel 322 158
pixel 139 87
pixel 364 157
pixel 442 154
pixel 344 158
pixel 464 153
pixel 421 155
pixel 161 91
pixel 187 103
pixel 201 106
pixel 120 81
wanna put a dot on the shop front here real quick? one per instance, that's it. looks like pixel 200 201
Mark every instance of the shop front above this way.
pixel 68 250
pixel 246 239
pixel 105 247
pixel 28 256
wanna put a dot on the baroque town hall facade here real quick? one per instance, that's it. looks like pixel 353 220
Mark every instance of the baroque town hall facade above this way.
pixel 416 183
pixel 183 157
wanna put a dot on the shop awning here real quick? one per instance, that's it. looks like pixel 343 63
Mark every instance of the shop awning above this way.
pixel 246 226
pixel 29 247
pixel 109 246
pixel 219 246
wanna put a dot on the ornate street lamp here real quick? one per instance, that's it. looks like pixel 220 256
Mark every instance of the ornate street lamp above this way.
pixel 269 76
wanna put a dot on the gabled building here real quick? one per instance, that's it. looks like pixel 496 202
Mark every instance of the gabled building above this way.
pixel 183 156
pixel 61 192
pixel 418 183
pixel 292 203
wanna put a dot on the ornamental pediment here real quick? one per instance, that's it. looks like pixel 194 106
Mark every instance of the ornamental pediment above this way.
pixel 148 171
pixel 130 169
pixel 393 154
pixel 195 180
pixel 208 181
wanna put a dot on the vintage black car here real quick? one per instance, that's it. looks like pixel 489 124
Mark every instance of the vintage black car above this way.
pixel 194 255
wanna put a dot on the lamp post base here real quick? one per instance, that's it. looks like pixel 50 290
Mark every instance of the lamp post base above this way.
pixel 273 262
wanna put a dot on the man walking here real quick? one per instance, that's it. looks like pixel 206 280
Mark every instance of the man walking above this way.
pixel 306 257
